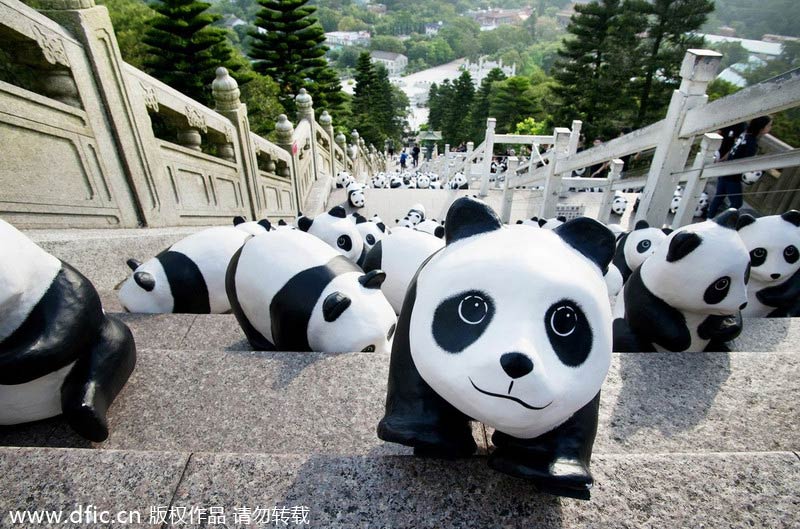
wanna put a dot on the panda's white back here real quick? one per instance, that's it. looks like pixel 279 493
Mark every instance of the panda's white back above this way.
pixel 402 253
pixel 641 244
pixel 34 400
pixel 267 263
pixel 26 272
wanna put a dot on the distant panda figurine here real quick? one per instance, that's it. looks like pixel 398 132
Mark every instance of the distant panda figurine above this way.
pixel 635 247
pixel 59 352
pixel 416 214
pixel 751 177
pixel 355 195
pixel 283 225
pixel 405 222
pixel 187 277
pixel 533 222
pixel 423 182
pixel 435 185
pixel 371 232
pixel 701 208
pixel 343 179
pixel 463 353
pixel 431 227
pixel 399 255
pixel 675 203
pixel 379 181
pixel 551 224
pixel 459 181
pixel 334 228
pixel 689 294
pixel 773 242
pixel 396 182
pixel 619 204
pixel 252 227
pixel 292 292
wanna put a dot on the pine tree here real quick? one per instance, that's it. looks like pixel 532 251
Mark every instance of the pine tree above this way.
pixel 455 128
pixel 480 105
pixel 510 102
pixel 288 46
pixel 185 50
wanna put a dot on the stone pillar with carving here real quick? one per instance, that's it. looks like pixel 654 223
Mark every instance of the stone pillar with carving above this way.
pixel 284 130
pixel 341 141
pixel 305 105
pixel 226 94
pixel 326 122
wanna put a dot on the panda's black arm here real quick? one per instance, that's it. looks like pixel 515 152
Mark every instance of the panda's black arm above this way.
pixel 415 414
pixel 651 319
pixel 60 327
pixel 619 258
pixel 785 294
pixel 720 329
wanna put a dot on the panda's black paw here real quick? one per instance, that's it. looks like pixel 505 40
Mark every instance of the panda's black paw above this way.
pixel 562 476
pixel 88 421
pixel 427 440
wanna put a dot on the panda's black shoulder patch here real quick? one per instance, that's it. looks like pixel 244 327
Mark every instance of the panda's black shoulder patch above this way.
pixel 256 339
pixel 650 316
pixel 374 257
pixel 186 282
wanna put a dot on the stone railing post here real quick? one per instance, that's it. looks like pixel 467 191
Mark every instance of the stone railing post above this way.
pixel 467 162
pixel 326 122
pixel 698 69
pixel 305 105
pixel 284 130
pixel 694 186
pixel 508 192
pixel 614 174
pixel 552 184
pixel 575 136
pixel 488 154
pixel 226 94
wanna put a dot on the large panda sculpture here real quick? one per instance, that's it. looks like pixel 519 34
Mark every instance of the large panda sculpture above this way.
pixel 187 277
pixel 773 243
pixel 688 295
pixel 336 230
pixel 399 255
pixel 292 292
pixel 635 247
pixel 59 352
pixel 463 352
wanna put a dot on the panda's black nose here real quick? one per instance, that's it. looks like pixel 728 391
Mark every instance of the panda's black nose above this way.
pixel 774 276
pixel 516 365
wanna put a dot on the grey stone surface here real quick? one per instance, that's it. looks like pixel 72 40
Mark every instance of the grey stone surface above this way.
pixel 214 332
pixel 53 479
pixel 236 401
pixel 768 334
pixel 164 331
pixel 672 490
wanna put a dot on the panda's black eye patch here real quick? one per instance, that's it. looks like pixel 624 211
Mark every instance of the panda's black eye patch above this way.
pixel 344 243
pixel 370 239
pixel 717 291
pixel 461 319
pixel 790 254
pixel 758 256
pixel 643 246
pixel 569 332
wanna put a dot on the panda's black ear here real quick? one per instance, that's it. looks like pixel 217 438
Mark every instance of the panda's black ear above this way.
pixel 535 218
pixel 542 222
pixel 745 219
pixel 519 222
pixel 381 226
pixel 562 218
pixel 360 219
pixel 145 280
pixel 265 223
pixel 641 225
pixel 591 238
pixel 439 231
pixel 373 279
pixel 282 223
pixel 304 223
pixel 133 264
pixel 469 216
pixel 338 211
pixel 667 231
pixel 681 245
pixel 792 216
pixel 238 220
pixel 728 218
pixel 334 305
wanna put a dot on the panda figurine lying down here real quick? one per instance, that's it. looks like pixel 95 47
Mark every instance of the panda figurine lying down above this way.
pixel 463 352
pixel 59 352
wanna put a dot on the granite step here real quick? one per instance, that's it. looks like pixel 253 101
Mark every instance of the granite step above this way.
pixel 758 489
pixel 283 403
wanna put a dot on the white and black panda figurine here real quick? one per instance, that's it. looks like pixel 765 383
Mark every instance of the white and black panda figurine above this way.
pixel 187 277
pixel 396 182
pixel 378 181
pixel 371 232
pixel 292 292
pixel 343 179
pixel 405 222
pixel 751 177
pixel 59 352
pixel 423 181
pixel 355 195
pixel 635 247
pixel 334 229
pixel 675 203
pixel 701 208
pixel 773 243
pixel 435 185
pixel 463 353
pixel 283 225
pixel 252 227
pixel 688 295
pixel 551 224
pixel 416 214
pixel 399 255
pixel 459 181
pixel 619 204
pixel 532 222
pixel 431 227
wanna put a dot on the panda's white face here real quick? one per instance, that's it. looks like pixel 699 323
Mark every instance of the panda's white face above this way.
pixel 709 277
pixel 675 204
pixel 415 217
pixel 356 198
pixel 641 244
pixel 339 233
pixel 522 350
pixel 774 246
pixel 370 234
pixel 702 205
pixel 619 205
pixel 423 182
pixel 147 290
pixel 751 177
pixel 458 180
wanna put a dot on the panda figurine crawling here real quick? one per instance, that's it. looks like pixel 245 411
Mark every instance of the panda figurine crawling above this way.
pixel 635 247
pixel 773 243
pixel 462 352
pixel 688 295
pixel 335 229
pixel 59 352
pixel 292 292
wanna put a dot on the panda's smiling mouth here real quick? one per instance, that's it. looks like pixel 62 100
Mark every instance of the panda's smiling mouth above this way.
pixel 509 397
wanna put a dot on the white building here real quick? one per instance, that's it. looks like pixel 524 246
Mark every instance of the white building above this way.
pixel 395 63
pixel 347 38
pixel 480 70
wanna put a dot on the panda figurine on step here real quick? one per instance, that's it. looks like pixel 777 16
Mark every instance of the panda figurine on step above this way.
pixel 334 229
pixel 463 353
pixel 187 277
pixel 371 232
pixel 551 224
pixel 416 214
pixel 751 177
pixel 355 195
pixel 701 208
pixel 431 227
pixel 619 204
pixel 675 203
pixel 635 247
pixel 773 243
pixel 252 227
pixel 423 182
pixel 688 295
pixel 459 181
pixel 343 179
pixel 396 182
pixel 59 352
pixel 292 292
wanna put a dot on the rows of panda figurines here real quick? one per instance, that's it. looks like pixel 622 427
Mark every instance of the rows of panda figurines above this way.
pixel 401 180
pixel 447 309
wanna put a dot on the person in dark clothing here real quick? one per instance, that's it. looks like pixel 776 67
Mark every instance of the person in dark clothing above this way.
pixel 729 136
pixel 415 155
pixel 746 145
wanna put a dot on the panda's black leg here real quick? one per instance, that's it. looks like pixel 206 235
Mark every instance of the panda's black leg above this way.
pixel 556 462
pixel 625 341
pixel 96 379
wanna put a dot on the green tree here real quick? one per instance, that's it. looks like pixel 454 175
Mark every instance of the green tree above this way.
pixel 510 102
pixel 130 19
pixel 185 50
pixel 387 43
pixel 480 106
pixel 456 121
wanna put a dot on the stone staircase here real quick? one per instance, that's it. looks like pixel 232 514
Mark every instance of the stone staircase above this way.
pixel 685 440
